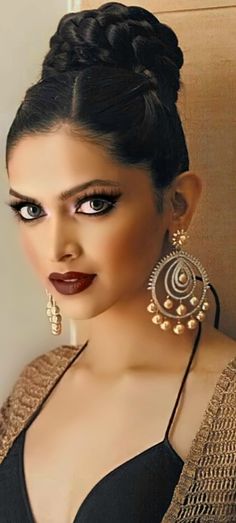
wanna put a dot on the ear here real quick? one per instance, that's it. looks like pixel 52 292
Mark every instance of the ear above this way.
pixel 185 192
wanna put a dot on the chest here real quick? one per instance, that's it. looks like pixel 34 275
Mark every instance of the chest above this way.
pixel 84 432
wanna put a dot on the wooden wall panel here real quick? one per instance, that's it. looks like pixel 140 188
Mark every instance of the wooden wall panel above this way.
pixel 207 104
pixel 160 6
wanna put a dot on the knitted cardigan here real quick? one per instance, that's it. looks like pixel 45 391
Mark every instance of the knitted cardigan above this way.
pixel 206 490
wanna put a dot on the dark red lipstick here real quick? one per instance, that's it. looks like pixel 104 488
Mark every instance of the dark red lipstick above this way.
pixel 62 285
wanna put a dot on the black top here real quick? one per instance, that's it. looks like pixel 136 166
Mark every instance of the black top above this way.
pixel 137 491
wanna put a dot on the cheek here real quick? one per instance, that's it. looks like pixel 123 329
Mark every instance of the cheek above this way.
pixel 31 251
pixel 130 246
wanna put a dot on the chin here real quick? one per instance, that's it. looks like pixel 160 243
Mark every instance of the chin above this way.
pixel 84 311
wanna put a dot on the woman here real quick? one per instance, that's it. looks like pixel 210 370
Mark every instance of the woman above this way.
pixel 137 423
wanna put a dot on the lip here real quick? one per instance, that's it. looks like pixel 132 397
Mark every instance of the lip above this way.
pixel 69 275
pixel 68 288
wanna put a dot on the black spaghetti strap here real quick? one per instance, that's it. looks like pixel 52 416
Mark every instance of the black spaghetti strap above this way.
pixel 195 346
pixel 217 314
pixel 184 378
pixel 64 371
pixel 36 412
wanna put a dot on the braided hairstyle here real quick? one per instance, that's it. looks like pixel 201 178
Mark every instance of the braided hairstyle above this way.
pixel 112 76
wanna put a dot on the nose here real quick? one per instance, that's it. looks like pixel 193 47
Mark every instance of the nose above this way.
pixel 63 240
pixel 60 256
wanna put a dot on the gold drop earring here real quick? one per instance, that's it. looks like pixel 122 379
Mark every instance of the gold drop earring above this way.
pixel 54 316
pixel 184 285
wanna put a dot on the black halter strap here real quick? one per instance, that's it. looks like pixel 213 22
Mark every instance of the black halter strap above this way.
pixel 194 349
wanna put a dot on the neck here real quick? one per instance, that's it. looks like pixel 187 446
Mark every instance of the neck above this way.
pixel 124 338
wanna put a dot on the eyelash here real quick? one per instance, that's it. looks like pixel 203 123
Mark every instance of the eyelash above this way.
pixel 106 196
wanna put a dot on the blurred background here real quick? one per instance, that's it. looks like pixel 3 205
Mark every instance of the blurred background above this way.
pixel 207 105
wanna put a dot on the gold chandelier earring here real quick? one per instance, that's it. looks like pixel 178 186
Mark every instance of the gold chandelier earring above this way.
pixel 184 283
pixel 53 314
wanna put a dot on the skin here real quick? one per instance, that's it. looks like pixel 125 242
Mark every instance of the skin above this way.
pixel 129 362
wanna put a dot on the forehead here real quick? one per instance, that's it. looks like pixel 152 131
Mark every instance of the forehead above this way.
pixel 42 158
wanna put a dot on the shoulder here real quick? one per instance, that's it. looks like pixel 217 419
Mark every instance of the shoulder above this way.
pixel 214 371
pixel 29 390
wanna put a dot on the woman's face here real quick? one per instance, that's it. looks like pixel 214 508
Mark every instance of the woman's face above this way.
pixel 117 233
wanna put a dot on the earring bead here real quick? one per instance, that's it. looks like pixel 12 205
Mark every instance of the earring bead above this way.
pixel 179 328
pixel 157 319
pixel 151 307
pixel 165 325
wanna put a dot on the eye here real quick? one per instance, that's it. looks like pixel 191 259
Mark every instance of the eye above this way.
pixel 25 216
pixel 29 212
pixel 101 202
pixel 95 204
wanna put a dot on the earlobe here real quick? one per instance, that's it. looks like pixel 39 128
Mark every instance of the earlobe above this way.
pixel 185 194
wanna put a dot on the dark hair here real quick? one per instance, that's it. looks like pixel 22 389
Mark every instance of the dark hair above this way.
pixel 112 75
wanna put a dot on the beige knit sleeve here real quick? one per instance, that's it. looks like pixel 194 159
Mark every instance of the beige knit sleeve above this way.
pixel 34 382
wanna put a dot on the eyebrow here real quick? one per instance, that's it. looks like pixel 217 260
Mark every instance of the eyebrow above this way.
pixel 74 190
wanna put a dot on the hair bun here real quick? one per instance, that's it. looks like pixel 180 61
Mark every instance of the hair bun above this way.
pixel 116 35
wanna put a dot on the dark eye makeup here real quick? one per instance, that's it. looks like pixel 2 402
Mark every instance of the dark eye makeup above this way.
pixel 108 197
